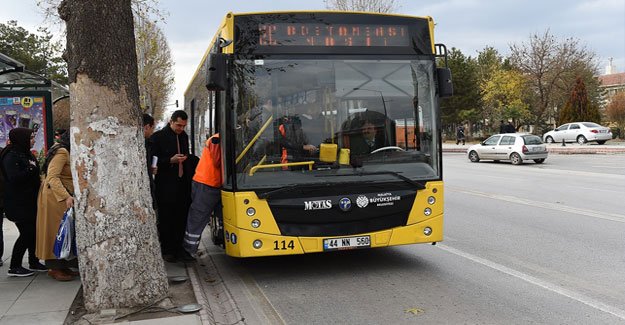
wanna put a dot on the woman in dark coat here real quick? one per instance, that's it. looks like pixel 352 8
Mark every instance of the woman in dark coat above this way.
pixel 21 185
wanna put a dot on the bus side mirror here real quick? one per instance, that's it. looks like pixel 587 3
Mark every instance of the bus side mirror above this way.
pixel 445 87
pixel 216 68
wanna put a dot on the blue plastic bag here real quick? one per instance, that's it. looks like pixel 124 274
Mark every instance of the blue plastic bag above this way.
pixel 65 242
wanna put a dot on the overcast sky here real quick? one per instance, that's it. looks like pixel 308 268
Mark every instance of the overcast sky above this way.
pixel 469 25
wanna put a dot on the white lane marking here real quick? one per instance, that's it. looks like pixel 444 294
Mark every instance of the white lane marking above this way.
pixel 594 303
pixel 608 166
pixel 594 189
pixel 545 205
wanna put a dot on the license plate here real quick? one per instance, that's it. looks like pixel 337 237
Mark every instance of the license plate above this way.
pixel 537 149
pixel 346 243
pixel 602 131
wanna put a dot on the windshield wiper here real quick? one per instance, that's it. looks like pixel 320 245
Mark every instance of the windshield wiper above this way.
pixel 416 184
pixel 266 195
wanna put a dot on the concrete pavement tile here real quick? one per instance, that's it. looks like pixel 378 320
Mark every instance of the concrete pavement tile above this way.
pixel 4 306
pixel 42 304
pixel 48 318
pixel 45 286
pixel 10 291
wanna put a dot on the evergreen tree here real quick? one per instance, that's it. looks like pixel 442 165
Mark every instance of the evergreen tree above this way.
pixel 579 108
pixel 466 90
pixel 36 51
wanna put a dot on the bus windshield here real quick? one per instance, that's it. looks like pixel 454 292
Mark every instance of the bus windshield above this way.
pixel 304 121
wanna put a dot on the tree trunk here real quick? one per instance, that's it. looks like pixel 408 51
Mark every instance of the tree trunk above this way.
pixel 119 253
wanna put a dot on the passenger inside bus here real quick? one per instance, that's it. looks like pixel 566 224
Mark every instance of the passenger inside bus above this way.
pixel 294 145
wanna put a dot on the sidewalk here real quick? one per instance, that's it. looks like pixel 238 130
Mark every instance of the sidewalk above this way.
pixel 611 147
pixel 39 299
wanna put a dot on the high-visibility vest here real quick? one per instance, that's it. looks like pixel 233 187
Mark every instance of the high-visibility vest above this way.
pixel 284 157
pixel 208 170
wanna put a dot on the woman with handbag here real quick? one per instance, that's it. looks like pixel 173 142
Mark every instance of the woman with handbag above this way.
pixel 55 196
pixel 21 175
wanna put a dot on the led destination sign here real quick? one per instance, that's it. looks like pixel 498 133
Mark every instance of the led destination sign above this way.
pixel 318 34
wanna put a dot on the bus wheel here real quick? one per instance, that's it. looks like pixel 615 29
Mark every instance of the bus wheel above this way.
pixel 217 230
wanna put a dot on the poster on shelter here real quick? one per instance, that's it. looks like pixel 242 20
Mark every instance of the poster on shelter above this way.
pixel 23 111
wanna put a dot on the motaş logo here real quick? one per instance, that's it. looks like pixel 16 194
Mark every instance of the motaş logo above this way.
pixel 318 205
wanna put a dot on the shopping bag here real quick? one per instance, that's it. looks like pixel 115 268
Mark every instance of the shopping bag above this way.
pixel 65 242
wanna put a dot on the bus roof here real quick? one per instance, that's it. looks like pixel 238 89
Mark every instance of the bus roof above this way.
pixel 324 11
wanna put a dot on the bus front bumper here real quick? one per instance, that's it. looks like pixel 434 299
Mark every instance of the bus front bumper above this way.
pixel 245 243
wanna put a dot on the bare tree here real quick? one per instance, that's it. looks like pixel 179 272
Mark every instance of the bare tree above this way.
pixel 156 80
pixel 548 64
pixel 119 255
pixel 382 6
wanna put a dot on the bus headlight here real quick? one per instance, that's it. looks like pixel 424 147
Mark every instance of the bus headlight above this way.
pixel 257 244
pixel 255 223
pixel 250 212
pixel 427 231
pixel 427 211
pixel 431 200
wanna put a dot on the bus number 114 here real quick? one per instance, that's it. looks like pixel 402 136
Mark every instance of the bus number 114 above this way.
pixel 283 245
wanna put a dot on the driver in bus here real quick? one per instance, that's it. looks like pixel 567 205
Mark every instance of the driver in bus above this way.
pixel 367 141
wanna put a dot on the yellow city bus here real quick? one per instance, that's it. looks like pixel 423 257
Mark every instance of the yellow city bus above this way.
pixel 330 130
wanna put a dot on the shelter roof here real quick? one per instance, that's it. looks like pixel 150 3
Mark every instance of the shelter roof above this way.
pixel 14 76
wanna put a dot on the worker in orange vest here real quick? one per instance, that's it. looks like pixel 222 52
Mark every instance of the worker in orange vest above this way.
pixel 292 140
pixel 205 195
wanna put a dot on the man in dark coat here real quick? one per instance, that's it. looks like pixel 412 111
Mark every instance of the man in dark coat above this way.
pixel 460 134
pixel 502 127
pixel 510 128
pixel 173 183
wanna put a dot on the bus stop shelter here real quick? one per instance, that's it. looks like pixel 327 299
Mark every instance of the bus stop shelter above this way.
pixel 27 100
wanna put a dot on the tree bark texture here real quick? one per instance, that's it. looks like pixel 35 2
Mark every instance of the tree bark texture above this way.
pixel 119 253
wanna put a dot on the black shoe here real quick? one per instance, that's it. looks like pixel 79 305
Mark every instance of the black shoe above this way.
pixel 20 271
pixel 186 257
pixel 38 267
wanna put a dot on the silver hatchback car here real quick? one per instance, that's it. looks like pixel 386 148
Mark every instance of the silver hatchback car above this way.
pixel 515 147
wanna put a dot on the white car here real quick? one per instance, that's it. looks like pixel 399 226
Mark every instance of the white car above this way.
pixel 580 132
pixel 515 147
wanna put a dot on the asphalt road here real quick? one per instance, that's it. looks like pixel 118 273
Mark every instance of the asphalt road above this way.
pixel 523 245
